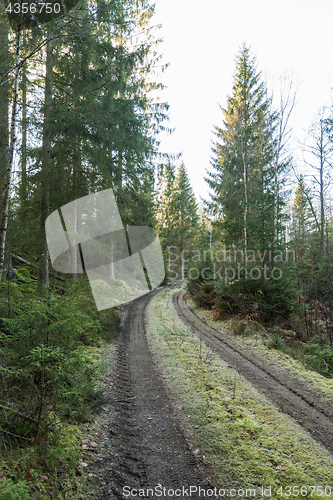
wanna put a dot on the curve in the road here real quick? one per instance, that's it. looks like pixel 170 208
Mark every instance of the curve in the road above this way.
pixel 290 396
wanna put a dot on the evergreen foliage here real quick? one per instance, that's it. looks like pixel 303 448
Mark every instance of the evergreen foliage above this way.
pixel 177 217
pixel 87 121
pixel 245 204
pixel 242 179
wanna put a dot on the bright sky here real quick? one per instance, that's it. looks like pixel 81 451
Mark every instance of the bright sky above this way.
pixel 200 43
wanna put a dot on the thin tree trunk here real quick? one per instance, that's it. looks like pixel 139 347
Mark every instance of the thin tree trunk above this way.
pixel 4 99
pixel 43 267
pixel 77 217
pixel 24 179
pixel 245 206
pixel 276 194
pixel 321 184
pixel 8 176
pixel 263 216
pixel 76 159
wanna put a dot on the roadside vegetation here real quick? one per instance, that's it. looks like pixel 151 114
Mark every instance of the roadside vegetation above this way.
pixel 309 342
pixel 51 350
pixel 262 342
pixel 246 441
pixel 77 116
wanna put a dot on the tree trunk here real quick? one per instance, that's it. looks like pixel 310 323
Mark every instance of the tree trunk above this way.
pixel 245 206
pixel 77 159
pixel 24 178
pixel 321 185
pixel 8 175
pixel 4 98
pixel 43 267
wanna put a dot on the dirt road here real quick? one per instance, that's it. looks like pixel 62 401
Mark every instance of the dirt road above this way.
pixel 292 397
pixel 147 448
pixel 143 446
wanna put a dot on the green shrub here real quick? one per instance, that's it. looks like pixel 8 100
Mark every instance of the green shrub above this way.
pixel 276 342
pixel 14 491
pixel 43 365
pixel 320 358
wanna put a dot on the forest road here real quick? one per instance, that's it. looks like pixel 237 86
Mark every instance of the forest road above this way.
pixel 147 447
pixel 291 396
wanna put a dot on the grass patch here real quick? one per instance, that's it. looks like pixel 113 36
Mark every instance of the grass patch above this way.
pixel 246 441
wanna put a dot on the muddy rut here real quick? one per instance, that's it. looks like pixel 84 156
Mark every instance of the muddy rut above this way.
pixel 292 397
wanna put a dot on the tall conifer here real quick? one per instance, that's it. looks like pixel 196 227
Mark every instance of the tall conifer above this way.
pixel 242 176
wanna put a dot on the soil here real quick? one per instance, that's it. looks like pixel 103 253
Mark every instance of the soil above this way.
pixel 137 441
pixel 310 409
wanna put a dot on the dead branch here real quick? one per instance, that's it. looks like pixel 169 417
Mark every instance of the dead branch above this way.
pixel 57 287
pixel 14 435
pixel 19 414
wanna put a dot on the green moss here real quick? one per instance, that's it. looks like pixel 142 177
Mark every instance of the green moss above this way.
pixel 14 491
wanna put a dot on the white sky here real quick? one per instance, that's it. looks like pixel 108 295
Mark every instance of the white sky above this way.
pixel 201 40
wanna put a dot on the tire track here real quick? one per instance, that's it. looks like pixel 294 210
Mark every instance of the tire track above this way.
pixel 147 440
pixel 291 397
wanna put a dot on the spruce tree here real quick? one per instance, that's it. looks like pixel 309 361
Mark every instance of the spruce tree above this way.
pixel 313 269
pixel 165 204
pixel 185 218
pixel 97 128
pixel 178 219
pixel 241 180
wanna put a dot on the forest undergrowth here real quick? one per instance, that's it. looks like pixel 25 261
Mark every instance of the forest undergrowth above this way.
pixel 299 326
pixel 51 350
